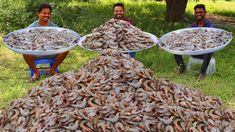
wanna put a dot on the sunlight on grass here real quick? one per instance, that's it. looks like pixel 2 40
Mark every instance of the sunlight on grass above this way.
pixel 8 54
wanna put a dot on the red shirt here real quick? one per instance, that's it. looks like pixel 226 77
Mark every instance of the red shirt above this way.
pixel 128 20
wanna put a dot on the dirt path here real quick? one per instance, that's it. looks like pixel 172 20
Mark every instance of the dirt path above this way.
pixel 221 20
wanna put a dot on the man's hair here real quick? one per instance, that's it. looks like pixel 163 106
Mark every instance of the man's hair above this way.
pixel 43 6
pixel 200 6
pixel 118 4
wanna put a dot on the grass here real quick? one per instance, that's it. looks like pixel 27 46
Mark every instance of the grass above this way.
pixel 148 16
pixel 221 7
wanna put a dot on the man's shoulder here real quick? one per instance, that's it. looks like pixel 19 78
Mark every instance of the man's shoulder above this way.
pixel 128 20
pixel 193 25
pixel 51 24
pixel 209 23
pixel 34 24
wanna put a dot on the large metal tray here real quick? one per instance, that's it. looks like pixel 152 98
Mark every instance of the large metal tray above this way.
pixel 42 53
pixel 196 52
pixel 153 37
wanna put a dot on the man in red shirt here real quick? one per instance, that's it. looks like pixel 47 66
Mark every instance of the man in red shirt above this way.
pixel 118 13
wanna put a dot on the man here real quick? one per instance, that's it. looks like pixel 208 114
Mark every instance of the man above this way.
pixel 44 15
pixel 200 13
pixel 118 13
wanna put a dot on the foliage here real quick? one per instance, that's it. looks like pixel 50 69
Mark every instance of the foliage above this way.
pixel 17 17
pixel 11 17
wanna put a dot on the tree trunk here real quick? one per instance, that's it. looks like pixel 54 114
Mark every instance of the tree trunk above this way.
pixel 175 10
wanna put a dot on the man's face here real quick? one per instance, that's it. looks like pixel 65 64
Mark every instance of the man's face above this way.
pixel 200 14
pixel 118 12
pixel 44 15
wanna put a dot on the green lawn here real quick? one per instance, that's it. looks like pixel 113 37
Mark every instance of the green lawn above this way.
pixel 218 6
pixel 148 16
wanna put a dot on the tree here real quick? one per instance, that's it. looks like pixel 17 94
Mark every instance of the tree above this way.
pixel 175 10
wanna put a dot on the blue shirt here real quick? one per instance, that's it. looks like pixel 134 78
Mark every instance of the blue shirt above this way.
pixel 207 24
pixel 36 24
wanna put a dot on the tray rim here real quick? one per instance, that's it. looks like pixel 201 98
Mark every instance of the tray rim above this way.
pixel 196 52
pixel 152 36
pixel 41 53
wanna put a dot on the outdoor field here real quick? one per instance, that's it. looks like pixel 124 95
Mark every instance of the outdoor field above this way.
pixel 83 17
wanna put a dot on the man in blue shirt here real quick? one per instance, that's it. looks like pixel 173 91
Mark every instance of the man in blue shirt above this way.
pixel 44 15
pixel 200 13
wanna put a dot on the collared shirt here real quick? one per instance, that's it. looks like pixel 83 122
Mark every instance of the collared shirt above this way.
pixel 36 24
pixel 207 24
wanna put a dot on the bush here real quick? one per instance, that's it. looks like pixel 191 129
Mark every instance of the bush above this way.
pixel 17 16
pixel 11 17
pixel 63 14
